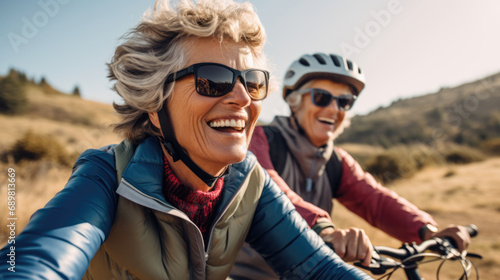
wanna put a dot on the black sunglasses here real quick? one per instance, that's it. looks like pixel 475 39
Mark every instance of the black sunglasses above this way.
pixel 215 80
pixel 323 98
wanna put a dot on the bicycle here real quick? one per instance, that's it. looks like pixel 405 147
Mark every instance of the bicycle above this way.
pixel 410 256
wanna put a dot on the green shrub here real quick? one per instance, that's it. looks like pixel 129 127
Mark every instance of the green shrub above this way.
pixel 33 147
pixel 13 98
pixel 76 92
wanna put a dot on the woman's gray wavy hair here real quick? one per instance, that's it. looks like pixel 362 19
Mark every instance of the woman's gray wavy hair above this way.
pixel 158 46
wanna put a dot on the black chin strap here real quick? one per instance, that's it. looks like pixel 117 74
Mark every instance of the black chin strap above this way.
pixel 300 129
pixel 177 152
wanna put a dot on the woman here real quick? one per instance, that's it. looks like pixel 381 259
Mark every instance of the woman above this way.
pixel 299 153
pixel 178 198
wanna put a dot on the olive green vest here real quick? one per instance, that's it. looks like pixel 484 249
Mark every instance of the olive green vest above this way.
pixel 151 240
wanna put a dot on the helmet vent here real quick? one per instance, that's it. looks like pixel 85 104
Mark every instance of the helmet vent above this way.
pixel 336 60
pixel 289 74
pixel 304 62
pixel 324 66
pixel 349 64
pixel 320 59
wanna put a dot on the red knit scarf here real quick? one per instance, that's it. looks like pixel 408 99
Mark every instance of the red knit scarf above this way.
pixel 199 206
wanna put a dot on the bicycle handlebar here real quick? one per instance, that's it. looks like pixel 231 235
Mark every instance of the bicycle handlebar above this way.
pixel 411 252
pixel 407 251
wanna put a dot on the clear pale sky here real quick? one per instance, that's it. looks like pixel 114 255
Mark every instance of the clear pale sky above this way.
pixel 405 47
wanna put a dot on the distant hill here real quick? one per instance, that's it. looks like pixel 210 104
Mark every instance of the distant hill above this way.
pixel 40 109
pixel 468 114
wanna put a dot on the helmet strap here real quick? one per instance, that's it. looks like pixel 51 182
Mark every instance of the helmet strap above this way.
pixel 296 121
pixel 175 150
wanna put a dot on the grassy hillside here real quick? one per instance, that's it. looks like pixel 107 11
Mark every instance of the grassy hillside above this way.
pixel 77 124
pixel 466 114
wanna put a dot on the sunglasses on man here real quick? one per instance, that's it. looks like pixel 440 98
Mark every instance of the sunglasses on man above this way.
pixel 215 80
pixel 323 98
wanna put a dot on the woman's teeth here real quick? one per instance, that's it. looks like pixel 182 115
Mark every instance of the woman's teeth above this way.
pixel 326 120
pixel 235 124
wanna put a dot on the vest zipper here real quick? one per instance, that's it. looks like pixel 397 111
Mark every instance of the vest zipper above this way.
pixel 309 181
pixel 209 244
pixel 186 218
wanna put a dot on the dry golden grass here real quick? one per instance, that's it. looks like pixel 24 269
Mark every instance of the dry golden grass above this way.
pixel 37 182
pixel 361 152
pixel 56 115
pixel 462 194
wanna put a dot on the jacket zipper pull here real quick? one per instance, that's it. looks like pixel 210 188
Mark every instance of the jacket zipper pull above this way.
pixel 309 183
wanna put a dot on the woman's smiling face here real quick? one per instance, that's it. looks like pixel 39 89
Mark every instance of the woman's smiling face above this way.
pixel 214 131
pixel 321 123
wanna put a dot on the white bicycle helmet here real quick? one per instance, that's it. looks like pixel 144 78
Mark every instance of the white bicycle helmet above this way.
pixel 323 66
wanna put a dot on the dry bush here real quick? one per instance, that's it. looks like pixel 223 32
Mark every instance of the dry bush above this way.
pixel 401 161
pixel 361 152
pixel 491 146
pixel 34 147
pixel 460 154
pixel 385 167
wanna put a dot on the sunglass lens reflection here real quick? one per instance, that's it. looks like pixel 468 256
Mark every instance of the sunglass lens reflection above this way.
pixel 322 98
pixel 213 80
pixel 256 84
pixel 345 102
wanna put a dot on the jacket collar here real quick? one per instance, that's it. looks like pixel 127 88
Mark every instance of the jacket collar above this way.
pixel 145 169
pixel 145 172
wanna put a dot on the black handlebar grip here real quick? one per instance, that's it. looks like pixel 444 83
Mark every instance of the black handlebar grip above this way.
pixel 472 230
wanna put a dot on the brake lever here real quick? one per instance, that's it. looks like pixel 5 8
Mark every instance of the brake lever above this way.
pixel 378 264
pixel 374 267
pixel 474 255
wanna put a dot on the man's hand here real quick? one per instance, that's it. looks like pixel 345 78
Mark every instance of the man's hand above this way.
pixel 349 244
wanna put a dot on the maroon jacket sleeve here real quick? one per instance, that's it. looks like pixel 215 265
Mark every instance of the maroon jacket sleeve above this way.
pixel 382 208
pixel 260 147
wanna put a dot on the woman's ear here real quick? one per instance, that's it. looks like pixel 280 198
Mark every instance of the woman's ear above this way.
pixel 293 101
pixel 153 117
